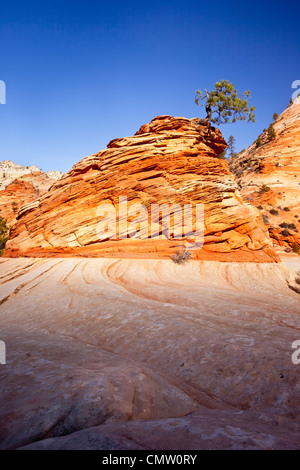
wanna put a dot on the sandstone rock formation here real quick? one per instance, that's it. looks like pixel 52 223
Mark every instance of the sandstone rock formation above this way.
pixel 21 185
pixel 171 161
pixel 269 177
pixel 122 354
pixel 206 430
pixel 10 171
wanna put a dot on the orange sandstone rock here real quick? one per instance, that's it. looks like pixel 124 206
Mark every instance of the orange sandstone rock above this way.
pixel 269 177
pixel 172 161
pixel 23 190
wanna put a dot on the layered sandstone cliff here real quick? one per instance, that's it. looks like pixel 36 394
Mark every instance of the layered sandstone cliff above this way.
pixel 171 161
pixel 269 177
pixel 17 188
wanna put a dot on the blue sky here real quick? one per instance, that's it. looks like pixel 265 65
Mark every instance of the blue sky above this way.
pixel 79 74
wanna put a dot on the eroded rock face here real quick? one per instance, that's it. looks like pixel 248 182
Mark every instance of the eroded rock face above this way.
pixel 269 177
pixel 171 161
pixel 21 185
pixel 22 191
pixel 10 171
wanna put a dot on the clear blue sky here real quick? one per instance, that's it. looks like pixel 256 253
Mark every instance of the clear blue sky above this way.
pixel 80 73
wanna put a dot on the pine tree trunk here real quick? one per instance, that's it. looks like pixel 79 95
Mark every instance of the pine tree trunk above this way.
pixel 208 110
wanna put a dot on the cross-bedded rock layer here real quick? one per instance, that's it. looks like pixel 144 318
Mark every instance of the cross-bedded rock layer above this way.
pixel 172 161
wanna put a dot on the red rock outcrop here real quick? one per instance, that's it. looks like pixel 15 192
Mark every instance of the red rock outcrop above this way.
pixel 172 161
pixel 23 190
pixel 269 177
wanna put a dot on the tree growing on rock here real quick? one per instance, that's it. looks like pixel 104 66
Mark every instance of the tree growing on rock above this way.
pixel 231 146
pixel 271 132
pixel 4 234
pixel 223 104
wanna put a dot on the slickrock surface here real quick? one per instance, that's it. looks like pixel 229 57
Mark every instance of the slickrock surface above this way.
pixel 146 354
pixel 171 160
pixel 269 177
pixel 20 185
pixel 206 430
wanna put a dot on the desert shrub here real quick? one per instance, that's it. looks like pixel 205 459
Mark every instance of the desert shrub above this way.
pixel 296 248
pixel 286 209
pixel 263 189
pixel 284 233
pixel 222 156
pixel 181 256
pixel 14 207
pixel 265 219
pixel 275 116
pixel 285 225
pixel 260 208
pixel 274 212
pixel 4 234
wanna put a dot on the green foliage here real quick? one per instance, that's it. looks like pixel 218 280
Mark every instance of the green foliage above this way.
pixel 296 248
pixel 14 207
pixel 223 104
pixel 271 132
pixel 231 146
pixel 263 189
pixel 265 219
pixel 258 142
pixel 274 212
pixel 4 234
pixel 222 155
pixel 290 226
pixel 275 116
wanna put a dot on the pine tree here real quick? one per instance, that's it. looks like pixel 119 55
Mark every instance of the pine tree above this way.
pixel 223 104
pixel 231 146
pixel 258 142
pixel 271 132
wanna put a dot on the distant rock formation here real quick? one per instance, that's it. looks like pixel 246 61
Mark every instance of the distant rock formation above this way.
pixel 172 160
pixel 268 175
pixel 10 171
pixel 21 185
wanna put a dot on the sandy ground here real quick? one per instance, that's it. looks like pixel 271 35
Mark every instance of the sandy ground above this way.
pixel 146 354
